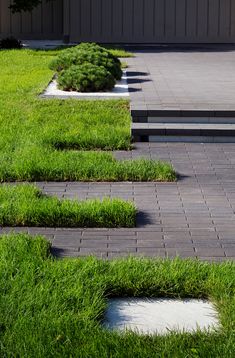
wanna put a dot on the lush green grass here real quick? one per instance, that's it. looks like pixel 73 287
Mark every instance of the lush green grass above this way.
pixel 33 129
pixel 54 308
pixel 86 166
pixel 26 205
pixel 119 51
pixel 81 124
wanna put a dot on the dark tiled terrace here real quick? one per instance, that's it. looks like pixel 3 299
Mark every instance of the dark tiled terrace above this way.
pixel 193 217
pixel 183 79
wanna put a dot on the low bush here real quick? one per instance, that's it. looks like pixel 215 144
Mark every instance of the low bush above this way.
pixel 112 53
pixel 85 53
pixel 9 43
pixel 26 205
pixel 115 50
pixel 86 78
pixel 90 46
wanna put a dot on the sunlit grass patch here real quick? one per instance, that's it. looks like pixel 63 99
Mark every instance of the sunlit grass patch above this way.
pixel 26 205
pixel 54 308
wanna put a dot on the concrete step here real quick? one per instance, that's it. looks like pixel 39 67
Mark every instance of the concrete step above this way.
pixel 189 132
pixel 146 115
pixel 184 120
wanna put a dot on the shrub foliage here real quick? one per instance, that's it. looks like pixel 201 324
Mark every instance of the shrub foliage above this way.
pixel 79 66
pixel 86 78
pixel 78 56
pixel 9 43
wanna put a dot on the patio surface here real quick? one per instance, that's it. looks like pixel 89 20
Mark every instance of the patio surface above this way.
pixel 183 79
pixel 193 217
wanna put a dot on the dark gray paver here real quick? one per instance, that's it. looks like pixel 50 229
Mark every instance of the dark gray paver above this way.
pixel 191 132
pixel 193 217
pixel 176 82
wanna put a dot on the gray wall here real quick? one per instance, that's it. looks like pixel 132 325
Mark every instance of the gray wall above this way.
pixel 45 22
pixel 125 21
pixel 153 21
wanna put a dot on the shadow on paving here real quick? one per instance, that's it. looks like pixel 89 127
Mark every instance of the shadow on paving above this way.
pixel 143 218
pixel 136 73
pixel 137 80
pixel 181 48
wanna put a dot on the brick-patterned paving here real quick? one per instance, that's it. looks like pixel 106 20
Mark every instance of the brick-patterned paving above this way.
pixel 190 79
pixel 193 217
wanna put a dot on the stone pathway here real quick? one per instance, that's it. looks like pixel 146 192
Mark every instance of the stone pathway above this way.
pixel 193 217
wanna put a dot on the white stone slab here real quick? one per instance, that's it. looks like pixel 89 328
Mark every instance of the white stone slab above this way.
pixel 160 316
pixel 119 91
pixel 44 44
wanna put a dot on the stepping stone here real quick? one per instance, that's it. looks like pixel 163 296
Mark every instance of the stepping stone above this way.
pixel 160 316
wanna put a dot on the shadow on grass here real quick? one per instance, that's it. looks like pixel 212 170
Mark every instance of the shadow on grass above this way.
pixel 61 253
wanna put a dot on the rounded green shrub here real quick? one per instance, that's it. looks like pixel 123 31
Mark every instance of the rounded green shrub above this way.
pixel 91 53
pixel 87 46
pixel 65 60
pixel 86 78
pixel 90 46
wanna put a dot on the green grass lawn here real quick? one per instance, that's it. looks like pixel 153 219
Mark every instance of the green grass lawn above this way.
pixel 53 139
pixel 54 308
pixel 26 205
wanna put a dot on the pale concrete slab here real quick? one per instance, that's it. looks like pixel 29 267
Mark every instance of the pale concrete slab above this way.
pixel 44 44
pixel 119 91
pixel 160 316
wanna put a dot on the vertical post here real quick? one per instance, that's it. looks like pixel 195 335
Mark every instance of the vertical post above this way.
pixel 5 18
pixel 66 21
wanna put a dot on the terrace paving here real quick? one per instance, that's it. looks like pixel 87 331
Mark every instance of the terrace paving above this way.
pixel 193 217
pixel 200 78
pixel 183 94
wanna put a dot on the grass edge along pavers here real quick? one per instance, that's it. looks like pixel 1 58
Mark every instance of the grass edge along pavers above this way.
pixel 26 205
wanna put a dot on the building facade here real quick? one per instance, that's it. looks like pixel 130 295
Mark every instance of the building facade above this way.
pixel 124 21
